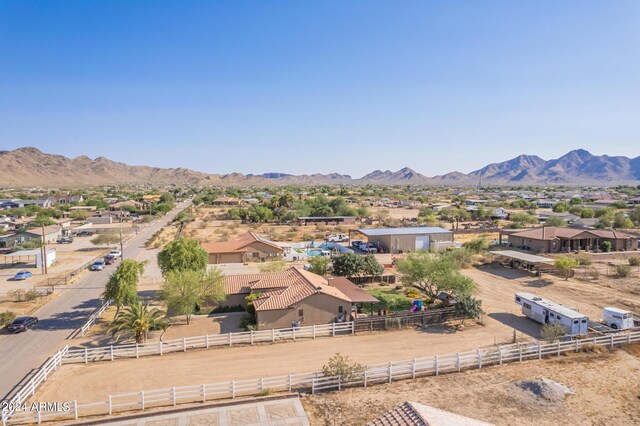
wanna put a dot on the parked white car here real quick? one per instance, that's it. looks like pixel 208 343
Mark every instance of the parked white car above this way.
pixel 115 253
pixel 337 238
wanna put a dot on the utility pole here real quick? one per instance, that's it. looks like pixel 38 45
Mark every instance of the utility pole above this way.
pixel 44 252
pixel 121 244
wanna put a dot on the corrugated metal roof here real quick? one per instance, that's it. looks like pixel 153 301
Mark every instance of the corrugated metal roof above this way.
pixel 522 256
pixel 422 230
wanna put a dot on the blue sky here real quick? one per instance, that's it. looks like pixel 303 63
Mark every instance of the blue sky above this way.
pixel 320 86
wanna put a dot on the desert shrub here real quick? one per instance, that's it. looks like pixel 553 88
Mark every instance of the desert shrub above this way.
pixel 606 246
pixel 469 307
pixel 31 295
pixel 225 309
pixel 266 392
pixel 593 273
pixel 593 348
pixel 399 287
pixel 634 261
pixel 7 317
pixel 412 293
pixel 343 367
pixel 584 260
pixel 290 235
pixel 17 295
pixel 307 237
pixel 553 331
pixel 623 271
pixel 476 246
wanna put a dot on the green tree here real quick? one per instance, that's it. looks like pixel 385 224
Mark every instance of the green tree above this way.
pixel 634 215
pixel 348 265
pixel 319 265
pixel 523 218
pixel 371 267
pixel 477 245
pixel 469 307
pixel 184 290
pixel 606 246
pixel 43 220
pixel 105 239
pixel 181 255
pixel 432 273
pixel 122 287
pixel 622 222
pixel 79 215
pixel 566 264
pixel 137 320
pixel 555 221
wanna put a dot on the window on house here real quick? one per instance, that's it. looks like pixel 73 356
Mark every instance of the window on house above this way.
pixel 300 313
pixel 340 309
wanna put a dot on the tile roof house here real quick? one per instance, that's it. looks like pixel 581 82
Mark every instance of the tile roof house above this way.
pixel 414 414
pixel 562 240
pixel 249 247
pixel 295 295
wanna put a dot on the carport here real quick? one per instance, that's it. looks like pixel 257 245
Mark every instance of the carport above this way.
pixel 526 261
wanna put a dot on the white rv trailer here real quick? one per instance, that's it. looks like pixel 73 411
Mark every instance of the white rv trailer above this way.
pixel 618 319
pixel 547 312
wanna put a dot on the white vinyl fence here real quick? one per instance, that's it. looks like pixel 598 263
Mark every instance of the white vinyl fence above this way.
pixel 317 382
pixel 94 317
pixel 137 350
pixel 29 388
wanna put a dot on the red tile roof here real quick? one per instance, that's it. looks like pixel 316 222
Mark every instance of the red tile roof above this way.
pixel 280 290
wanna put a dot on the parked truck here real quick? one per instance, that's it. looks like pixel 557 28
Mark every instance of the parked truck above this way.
pixel 545 311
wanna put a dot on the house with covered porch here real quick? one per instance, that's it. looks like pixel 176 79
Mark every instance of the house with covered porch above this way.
pixel 549 239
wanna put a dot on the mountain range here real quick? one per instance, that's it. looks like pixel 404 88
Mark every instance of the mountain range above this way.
pixel 29 167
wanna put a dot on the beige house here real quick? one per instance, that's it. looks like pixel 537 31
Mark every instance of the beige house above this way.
pixel 295 296
pixel 562 240
pixel 250 247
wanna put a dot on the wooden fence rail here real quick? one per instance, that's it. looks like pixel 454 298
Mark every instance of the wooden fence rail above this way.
pixel 317 382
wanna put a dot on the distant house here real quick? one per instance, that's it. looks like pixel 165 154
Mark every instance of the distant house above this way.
pixel 567 217
pixel 561 240
pixel 51 235
pixel 546 204
pixel 151 198
pixel 585 223
pixel 46 202
pixel 126 204
pixel 295 296
pixel 250 247
pixel 15 203
pixel 69 199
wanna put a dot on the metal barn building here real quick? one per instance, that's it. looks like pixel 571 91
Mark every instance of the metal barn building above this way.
pixel 401 240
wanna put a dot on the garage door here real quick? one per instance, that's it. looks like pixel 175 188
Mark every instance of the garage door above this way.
pixel 422 242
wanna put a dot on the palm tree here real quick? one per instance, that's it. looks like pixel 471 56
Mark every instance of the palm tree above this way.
pixel 137 320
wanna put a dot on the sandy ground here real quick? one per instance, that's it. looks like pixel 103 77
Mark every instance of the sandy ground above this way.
pixel 606 389
pixel 214 365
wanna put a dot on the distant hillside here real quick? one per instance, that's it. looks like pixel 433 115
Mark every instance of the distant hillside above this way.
pixel 26 167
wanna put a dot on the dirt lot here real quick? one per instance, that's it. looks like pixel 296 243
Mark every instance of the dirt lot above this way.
pixel 606 387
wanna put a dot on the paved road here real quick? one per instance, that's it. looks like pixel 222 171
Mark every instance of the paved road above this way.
pixel 21 354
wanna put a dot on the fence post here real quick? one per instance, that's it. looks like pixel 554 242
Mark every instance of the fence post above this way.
pixel 628 337
pixel 558 347
pixel 184 344
pixel 313 386
pixel 207 341
pixel 365 376
pixel 261 384
pixel 173 396
pixel 251 337
pixel 293 333
pixel 611 339
pixel 353 327
pixel 230 339
pixel 479 359
pixel 160 347
pixel 110 405
pixel 111 352
pixel 390 368
pixel 314 331
pixel 339 383
pixel 458 361
pixel 233 389
pixel 520 353
pixel 539 350
pixel 500 355
pixel 333 332
pixel 413 369
pixel 137 351
pixel 86 355
pixel 75 409
pixel 142 400
pixel 289 382
pixel 273 335
pixel 435 363
pixel 577 345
